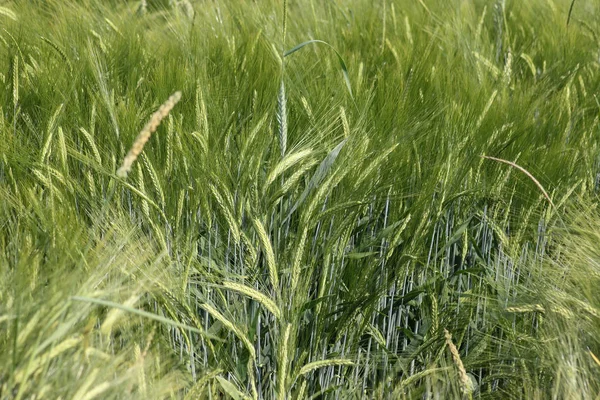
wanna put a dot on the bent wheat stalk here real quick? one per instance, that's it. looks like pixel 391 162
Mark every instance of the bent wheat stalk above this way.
pixel 146 132
pixel 523 170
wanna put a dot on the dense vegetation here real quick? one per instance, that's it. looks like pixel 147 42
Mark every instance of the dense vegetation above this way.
pixel 404 207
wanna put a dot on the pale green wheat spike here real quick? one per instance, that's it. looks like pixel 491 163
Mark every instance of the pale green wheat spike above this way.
pixel 344 119
pixel 158 232
pixel 60 52
pixel 91 184
pixel 582 85
pixel 377 161
pixel 27 329
pixel 252 379
pixel 33 67
pixel 481 21
pixel 325 363
pixel 488 64
pixel 247 147
pixel 396 238
pixel 100 41
pixel 289 161
pixel 269 254
pixel 226 194
pixel 8 13
pixel 319 175
pixel 282 370
pixel 43 360
pixel 293 179
pixel 420 375
pixel 15 72
pixel 308 110
pixel 486 108
pixel 302 391
pixel 359 76
pixel 90 140
pixel 409 35
pixel 254 294
pixel 465 246
pixel 252 256
pixel 197 389
pixel 188 10
pixel 391 47
pixel 142 186
pixel 201 114
pixel 47 182
pixel 376 334
pixel 507 74
pixel 296 265
pixel 154 179
pixel 435 321
pixel 112 26
pixel 58 175
pixel 142 8
pixel 254 102
pixel 568 106
pixel 499 20
pixel 227 213
pixel 62 149
pixel 143 388
pixel 93 118
pixel 15 186
pixel 179 214
pixel 50 133
pixel 202 141
pixel 170 128
pixel 282 119
pixel 530 64
pixel 322 192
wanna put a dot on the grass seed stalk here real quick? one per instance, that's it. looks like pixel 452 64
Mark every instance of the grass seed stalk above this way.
pixel 143 137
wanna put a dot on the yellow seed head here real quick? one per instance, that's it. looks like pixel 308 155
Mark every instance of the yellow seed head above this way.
pixel 465 381
pixel 146 132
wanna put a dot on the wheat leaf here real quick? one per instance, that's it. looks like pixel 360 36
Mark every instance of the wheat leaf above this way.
pixel 231 390
pixel 570 12
pixel 144 314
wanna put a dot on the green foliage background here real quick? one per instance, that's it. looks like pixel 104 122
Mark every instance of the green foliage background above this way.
pixel 304 224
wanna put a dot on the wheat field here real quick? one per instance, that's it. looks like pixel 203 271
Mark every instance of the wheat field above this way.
pixel 299 199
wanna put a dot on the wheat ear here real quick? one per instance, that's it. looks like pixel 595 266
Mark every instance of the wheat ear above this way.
pixel 146 132
pixel 465 382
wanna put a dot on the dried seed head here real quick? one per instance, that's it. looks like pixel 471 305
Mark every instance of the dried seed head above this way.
pixel 466 385
pixel 146 132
